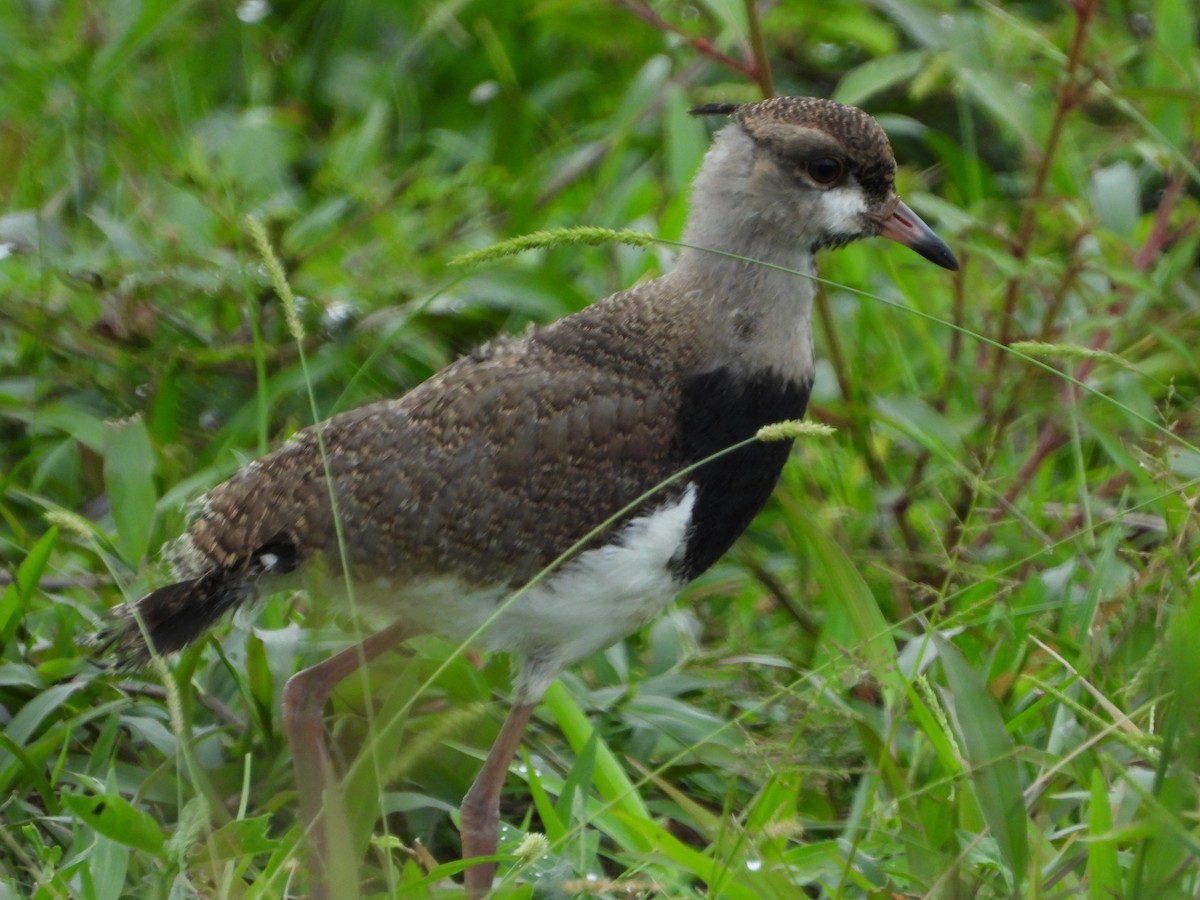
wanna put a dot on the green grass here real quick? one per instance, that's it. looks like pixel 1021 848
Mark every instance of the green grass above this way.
pixel 954 658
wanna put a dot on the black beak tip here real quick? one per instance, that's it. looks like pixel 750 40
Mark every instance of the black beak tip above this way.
pixel 904 226
pixel 937 252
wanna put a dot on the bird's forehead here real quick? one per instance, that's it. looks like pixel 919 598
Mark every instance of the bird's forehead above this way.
pixel 851 125
pixel 794 138
pixel 806 124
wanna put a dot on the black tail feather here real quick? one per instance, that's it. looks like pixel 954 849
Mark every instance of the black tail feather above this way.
pixel 171 617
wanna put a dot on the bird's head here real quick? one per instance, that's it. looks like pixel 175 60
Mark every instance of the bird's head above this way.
pixel 818 172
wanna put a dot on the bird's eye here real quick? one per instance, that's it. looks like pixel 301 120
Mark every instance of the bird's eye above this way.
pixel 825 169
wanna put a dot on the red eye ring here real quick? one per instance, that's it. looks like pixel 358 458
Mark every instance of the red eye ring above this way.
pixel 825 169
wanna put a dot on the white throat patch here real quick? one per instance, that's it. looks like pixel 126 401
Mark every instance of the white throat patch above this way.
pixel 840 209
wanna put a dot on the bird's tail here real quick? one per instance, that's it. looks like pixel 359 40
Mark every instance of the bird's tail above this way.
pixel 171 617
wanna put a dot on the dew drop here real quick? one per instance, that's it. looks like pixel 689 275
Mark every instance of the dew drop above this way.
pixel 337 315
pixel 826 52
pixel 483 92
pixel 253 11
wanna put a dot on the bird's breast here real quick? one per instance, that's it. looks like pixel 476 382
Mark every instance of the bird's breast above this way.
pixel 720 408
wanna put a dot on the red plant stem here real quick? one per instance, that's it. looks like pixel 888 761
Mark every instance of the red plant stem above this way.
pixel 758 51
pixel 995 422
pixel 1051 436
pixel 1068 97
pixel 701 45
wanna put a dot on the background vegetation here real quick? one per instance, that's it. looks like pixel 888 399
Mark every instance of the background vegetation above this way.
pixel 956 657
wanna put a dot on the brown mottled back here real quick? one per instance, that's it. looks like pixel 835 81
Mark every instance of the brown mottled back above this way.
pixel 476 472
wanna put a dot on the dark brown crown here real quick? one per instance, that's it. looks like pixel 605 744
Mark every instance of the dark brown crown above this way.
pixel 868 147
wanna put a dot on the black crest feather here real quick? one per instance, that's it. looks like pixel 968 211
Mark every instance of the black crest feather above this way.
pixel 714 109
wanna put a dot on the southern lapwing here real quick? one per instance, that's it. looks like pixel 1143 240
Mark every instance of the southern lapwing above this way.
pixel 437 506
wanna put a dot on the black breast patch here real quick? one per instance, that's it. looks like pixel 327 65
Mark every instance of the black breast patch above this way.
pixel 720 409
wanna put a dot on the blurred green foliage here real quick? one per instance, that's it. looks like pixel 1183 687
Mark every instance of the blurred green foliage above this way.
pixel 954 658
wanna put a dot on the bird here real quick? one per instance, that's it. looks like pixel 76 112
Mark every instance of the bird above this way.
pixel 434 509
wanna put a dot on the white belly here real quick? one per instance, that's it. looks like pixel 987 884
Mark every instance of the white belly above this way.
pixel 594 600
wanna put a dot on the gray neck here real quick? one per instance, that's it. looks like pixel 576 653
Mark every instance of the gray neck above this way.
pixel 762 313
pixel 742 205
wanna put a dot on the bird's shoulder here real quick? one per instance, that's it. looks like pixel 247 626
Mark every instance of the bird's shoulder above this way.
pixel 585 385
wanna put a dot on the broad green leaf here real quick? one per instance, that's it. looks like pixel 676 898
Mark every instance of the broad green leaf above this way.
pixel 609 777
pixel 703 820
pixel 922 423
pixel 26 722
pixel 121 236
pixel 878 75
pixel 115 817
pixel 239 838
pixel 1185 463
pixel 360 149
pixel 1103 869
pixel 701 865
pixel 164 413
pixel 579 781
pixel 1116 197
pixel 26 764
pixel 108 865
pixel 129 481
pixel 19 674
pixel 854 618
pixel 551 823
pixel 1171 66
pixel 991 754
pixel 1000 99
pixel 925 861
pixel 16 596
pixel 685 139
pixel 367 777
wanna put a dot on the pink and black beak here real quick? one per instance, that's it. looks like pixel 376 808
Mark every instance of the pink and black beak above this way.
pixel 905 227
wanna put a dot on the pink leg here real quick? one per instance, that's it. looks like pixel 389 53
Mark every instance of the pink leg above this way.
pixel 481 807
pixel 304 699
